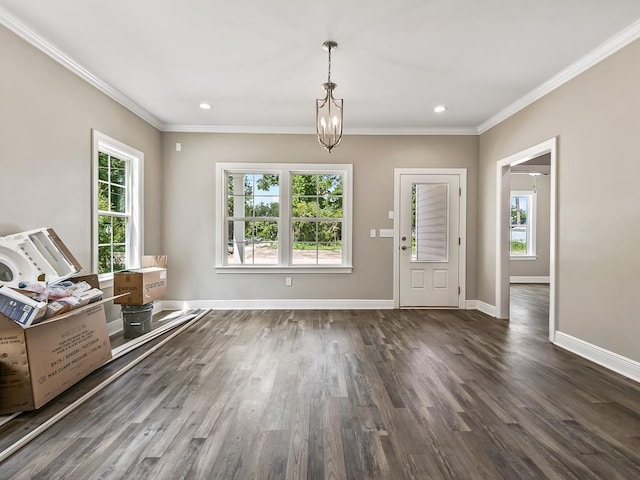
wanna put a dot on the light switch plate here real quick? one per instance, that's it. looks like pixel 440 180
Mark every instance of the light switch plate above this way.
pixel 386 233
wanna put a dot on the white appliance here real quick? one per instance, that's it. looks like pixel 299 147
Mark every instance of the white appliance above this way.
pixel 28 255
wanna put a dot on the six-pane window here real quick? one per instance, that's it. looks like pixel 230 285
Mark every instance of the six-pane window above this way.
pixel 317 218
pixel 253 212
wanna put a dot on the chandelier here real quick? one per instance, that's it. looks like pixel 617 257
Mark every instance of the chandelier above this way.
pixel 329 110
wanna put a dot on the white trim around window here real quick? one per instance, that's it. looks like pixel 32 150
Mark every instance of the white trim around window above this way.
pixel 285 171
pixel 134 195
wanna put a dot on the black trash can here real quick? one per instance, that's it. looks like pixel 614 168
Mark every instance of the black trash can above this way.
pixel 136 319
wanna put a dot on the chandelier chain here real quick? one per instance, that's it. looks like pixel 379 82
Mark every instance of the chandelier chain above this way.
pixel 329 75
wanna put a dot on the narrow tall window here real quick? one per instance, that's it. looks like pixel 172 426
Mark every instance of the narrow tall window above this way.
pixel 117 205
pixel 253 212
pixel 522 224
pixel 318 217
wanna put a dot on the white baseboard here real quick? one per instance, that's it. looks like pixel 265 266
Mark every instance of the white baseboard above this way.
pixel 471 305
pixel 114 327
pixel 619 364
pixel 288 304
pixel 485 308
pixel 528 279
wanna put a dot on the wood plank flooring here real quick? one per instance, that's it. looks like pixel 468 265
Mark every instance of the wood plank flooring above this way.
pixel 402 394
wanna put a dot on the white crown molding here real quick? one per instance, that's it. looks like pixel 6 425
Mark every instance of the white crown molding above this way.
pixel 412 131
pixel 236 129
pixel 613 361
pixel 614 44
pixel 311 131
pixel 56 54
pixel 611 46
pixel 283 304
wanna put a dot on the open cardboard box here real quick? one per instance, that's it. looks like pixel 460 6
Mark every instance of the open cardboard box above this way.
pixel 41 361
pixel 143 285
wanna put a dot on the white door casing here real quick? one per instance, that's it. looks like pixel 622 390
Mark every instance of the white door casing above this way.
pixel 429 248
pixel 503 169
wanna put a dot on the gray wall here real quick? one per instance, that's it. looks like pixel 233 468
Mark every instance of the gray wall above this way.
pixel 540 266
pixel 45 157
pixel 595 117
pixel 189 228
pixel 46 117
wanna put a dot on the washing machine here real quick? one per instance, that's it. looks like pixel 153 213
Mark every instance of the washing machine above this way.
pixel 28 256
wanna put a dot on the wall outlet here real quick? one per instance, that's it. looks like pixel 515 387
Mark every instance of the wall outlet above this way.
pixel 288 282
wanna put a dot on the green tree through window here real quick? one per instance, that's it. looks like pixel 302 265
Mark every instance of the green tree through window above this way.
pixel 112 213
pixel 521 243
pixel 317 218
pixel 253 210
pixel 285 215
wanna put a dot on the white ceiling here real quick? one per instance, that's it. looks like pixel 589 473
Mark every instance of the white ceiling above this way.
pixel 260 63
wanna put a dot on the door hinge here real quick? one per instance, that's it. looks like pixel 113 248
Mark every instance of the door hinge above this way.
pixel 459 241
pixel 458 290
pixel 460 192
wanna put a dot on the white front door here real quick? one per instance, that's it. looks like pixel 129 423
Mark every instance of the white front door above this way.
pixel 429 228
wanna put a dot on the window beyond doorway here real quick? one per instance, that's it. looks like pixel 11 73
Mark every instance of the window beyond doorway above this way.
pixel 522 235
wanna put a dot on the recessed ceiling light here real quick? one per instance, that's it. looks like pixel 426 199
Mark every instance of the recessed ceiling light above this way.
pixel 439 109
pixel 205 106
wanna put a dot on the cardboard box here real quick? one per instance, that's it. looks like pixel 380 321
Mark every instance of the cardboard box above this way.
pixel 20 308
pixel 41 361
pixel 27 311
pixel 143 285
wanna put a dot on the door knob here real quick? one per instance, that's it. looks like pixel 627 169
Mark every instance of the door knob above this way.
pixel 403 247
pixel 404 238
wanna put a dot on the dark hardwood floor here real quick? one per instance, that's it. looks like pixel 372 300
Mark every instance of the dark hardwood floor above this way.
pixel 404 394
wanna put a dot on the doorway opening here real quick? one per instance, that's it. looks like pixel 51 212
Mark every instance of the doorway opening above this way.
pixel 503 226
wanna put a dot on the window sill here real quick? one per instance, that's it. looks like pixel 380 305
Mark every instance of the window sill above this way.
pixel 105 280
pixel 524 257
pixel 280 269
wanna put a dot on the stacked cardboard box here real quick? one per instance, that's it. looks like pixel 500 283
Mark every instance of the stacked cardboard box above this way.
pixel 143 285
pixel 41 360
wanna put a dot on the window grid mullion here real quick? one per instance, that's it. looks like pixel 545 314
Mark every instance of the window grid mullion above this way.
pixel 286 225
